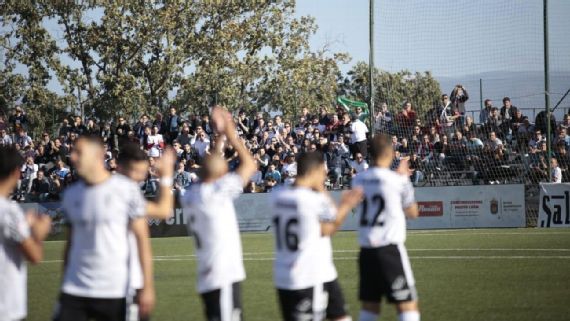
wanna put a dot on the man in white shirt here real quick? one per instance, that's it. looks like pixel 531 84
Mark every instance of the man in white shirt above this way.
pixel 202 144
pixel 133 162
pixel 358 143
pixel 384 265
pixel 213 223
pixel 304 218
pixel 21 239
pixel 359 164
pixel 101 211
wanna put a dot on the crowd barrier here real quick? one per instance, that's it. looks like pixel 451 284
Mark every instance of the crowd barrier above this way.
pixel 440 208
pixel 554 207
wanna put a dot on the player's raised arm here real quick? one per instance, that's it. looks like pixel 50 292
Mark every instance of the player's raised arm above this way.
pixel 348 201
pixel 409 203
pixel 225 125
pixel 164 204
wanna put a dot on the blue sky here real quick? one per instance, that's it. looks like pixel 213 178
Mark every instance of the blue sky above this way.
pixel 450 38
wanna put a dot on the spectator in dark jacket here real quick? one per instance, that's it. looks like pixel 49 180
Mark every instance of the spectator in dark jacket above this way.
pixel 458 98
pixel 18 120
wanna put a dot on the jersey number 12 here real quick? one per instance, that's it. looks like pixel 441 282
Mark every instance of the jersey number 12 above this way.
pixel 375 206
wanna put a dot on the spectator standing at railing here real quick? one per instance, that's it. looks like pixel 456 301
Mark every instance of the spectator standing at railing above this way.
pixel 459 97
pixel 172 122
pixel 335 161
pixel 486 112
pixel 358 141
pixel 383 120
pixel 406 118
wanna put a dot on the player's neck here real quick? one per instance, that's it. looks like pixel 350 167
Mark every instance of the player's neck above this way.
pixel 97 176
pixel 5 189
pixel 382 163
pixel 304 182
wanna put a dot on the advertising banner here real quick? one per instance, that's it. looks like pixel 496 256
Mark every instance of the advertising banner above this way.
pixel 554 207
pixel 439 207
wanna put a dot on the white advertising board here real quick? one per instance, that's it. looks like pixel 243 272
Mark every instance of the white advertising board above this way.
pixel 554 207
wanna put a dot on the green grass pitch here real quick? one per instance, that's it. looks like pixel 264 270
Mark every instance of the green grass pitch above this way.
pixel 491 274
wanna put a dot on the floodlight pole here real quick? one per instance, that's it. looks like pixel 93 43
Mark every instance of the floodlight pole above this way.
pixel 371 70
pixel 547 89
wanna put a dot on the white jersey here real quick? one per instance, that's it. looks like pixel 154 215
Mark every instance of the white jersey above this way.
pixel 213 223
pixel 382 218
pixel 303 257
pixel 13 230
pixel 100 216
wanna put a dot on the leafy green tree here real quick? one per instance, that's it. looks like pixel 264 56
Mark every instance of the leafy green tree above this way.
pixel 421 89
pixel 130 57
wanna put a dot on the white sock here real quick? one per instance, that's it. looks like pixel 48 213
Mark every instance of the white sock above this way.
pixel 345 318
pixel 410 316
pixel 367 316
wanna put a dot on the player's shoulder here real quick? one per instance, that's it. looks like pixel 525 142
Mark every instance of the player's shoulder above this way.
pixel 10 207
pixel 122 180
pixel 73 190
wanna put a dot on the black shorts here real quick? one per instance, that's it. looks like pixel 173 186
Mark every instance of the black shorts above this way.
pixel 223 304
pixel 336 306
pixel 386 271
pixel 75 308
pixel 302 305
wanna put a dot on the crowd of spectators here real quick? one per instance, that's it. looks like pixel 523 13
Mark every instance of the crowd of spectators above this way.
pixel 504 145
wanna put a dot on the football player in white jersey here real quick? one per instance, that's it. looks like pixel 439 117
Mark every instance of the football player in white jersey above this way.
pixel 100 210
pixel 213 223
pixel 21 239
pixel 133 162
pixel 384 265
pixel 304 219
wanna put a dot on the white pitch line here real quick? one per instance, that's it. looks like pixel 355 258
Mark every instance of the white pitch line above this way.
pixel 409 250
pixel 343 258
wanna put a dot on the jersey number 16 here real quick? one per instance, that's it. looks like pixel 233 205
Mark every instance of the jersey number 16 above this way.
pixel 286 234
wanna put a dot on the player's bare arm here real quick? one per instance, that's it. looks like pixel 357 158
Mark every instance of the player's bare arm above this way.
pixel 162 207
pixel 411 211
pixel 349 200
pixel 147 294
pixel 225 125
pixel 32 247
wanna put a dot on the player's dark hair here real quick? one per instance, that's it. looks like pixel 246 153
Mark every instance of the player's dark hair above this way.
pixel 130 152
pixel 309 161
pixel 92 138
pixel 10 160
pixel 380 145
